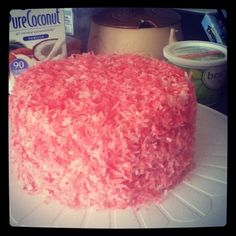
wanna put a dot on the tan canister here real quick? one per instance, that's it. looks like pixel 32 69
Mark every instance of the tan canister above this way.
pixel 139 31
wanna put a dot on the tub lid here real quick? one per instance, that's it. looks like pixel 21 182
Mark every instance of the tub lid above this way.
pixel 195 53
pixel 135 18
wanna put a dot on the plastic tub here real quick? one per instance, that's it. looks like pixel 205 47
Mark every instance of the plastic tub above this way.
pixel 206 62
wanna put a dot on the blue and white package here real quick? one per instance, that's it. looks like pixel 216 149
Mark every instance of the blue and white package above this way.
pixel 214 28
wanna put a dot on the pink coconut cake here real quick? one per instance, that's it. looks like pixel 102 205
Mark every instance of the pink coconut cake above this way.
pixel 109 131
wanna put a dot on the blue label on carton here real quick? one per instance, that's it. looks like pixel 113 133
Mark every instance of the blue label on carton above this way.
pixel 35 37
pixel 18 66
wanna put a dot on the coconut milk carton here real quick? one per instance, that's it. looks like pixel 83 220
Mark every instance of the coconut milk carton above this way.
pixel 35 35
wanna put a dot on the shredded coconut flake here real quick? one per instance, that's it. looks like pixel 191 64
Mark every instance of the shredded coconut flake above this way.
pixel 111 130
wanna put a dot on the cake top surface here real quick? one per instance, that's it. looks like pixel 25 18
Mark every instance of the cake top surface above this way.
pixel 122 84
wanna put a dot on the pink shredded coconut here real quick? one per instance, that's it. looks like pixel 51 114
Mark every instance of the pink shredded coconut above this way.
pixel 109 131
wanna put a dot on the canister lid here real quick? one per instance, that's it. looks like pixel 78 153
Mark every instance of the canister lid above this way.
pixel 196 54
pixel 135 18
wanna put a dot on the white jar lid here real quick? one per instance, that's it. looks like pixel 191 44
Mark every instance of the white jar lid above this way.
pixel 196 54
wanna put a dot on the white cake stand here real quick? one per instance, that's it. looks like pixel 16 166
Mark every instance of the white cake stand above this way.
pixel 199 201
